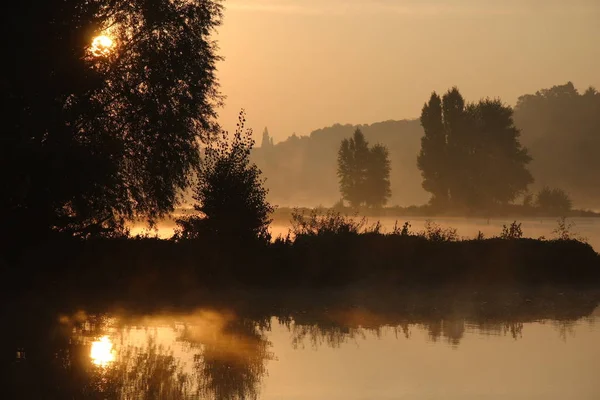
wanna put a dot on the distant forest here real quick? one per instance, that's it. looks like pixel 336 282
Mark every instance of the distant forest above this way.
pixel 559 126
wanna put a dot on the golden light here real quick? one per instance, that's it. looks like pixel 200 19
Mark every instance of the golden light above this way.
pixel 102 45
pixel 102 352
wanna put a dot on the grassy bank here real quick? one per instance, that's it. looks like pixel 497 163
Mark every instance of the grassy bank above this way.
pixel 153 268
pixel 284 214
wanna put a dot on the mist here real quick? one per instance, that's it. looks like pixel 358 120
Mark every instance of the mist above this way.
pixel 309 199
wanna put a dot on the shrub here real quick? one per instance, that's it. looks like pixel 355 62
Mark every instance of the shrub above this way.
pixel 404 231
pixel 436 233
pixel 513 231
pixel 331 223
pixel 564 231
pixel 231 199
pixel 553 201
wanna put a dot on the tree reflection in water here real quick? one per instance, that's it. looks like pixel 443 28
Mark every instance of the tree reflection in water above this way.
pixel 214 354
pixel 225 356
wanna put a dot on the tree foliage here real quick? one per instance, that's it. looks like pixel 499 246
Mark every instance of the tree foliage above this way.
pixel 90 137
pixel 561 126
pixel 470 154
pixel 363 172
pixel 553 201
pixel 432 158
pixel 231 199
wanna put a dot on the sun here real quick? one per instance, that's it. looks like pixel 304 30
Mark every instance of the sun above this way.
pixel 102 45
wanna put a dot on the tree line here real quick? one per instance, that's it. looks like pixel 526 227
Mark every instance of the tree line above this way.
pixel 471 158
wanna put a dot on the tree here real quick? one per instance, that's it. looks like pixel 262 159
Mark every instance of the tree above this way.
pixel 561 126
pixel 231 199
pixel 432 159
pixel 363 172
pixel 499 161
pixel 377 185
pixel 99 131
pixel 470 155
pixel 553 201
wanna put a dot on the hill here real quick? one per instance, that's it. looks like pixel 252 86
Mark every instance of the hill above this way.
pixel 301 171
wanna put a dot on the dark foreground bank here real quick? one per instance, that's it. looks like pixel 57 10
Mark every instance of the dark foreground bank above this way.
pixel 150 268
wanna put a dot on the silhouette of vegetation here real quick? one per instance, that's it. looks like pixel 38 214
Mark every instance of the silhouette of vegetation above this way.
pixel 364 172
pixel 513 231
pixel 470 155
pixel 96 136
pixel 404 231
pixel 231 199
pixel 302 169
pixel 331 223
pixel 564 231
pixel 560 127
pixel 435 233
pixel 325 251
pixel 553 201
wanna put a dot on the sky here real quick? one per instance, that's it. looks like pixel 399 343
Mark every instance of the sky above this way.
pixel 299 65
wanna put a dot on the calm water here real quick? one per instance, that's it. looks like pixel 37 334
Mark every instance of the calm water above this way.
pixel 510 346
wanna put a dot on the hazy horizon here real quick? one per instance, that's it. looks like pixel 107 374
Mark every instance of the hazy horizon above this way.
pixel 297 66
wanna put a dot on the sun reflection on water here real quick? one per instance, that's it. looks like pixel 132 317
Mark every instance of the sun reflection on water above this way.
pixel 102 352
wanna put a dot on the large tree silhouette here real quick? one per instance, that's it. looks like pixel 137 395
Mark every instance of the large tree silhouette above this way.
pixel 470 155
pixel 432 159
pixel 94 136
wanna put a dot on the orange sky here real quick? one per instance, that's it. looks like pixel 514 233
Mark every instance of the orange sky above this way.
pixel 299 65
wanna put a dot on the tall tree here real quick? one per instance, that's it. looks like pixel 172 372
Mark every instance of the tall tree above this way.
pixel 472 152
pixel 352 167
pixel 363 172
pixel 498 160
pixel 101 130
pixel 377 184
pixel 432 160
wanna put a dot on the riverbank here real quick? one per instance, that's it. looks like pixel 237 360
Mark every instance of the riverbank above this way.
pixel 148 269
pixel 284 214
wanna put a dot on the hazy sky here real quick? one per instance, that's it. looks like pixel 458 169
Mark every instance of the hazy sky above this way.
pixel 299 65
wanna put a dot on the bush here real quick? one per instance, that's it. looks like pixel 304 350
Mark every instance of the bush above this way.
pixel 564 231
pixel 231 199
pixel 404 231
pixel 513 231
pixel 436 233
pixel 553 201
pixel 331 223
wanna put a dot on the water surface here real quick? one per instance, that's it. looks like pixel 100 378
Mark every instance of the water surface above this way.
pixel 363 347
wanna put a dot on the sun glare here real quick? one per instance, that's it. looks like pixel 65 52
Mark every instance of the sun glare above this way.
pixel 102 45
pixel 102 352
